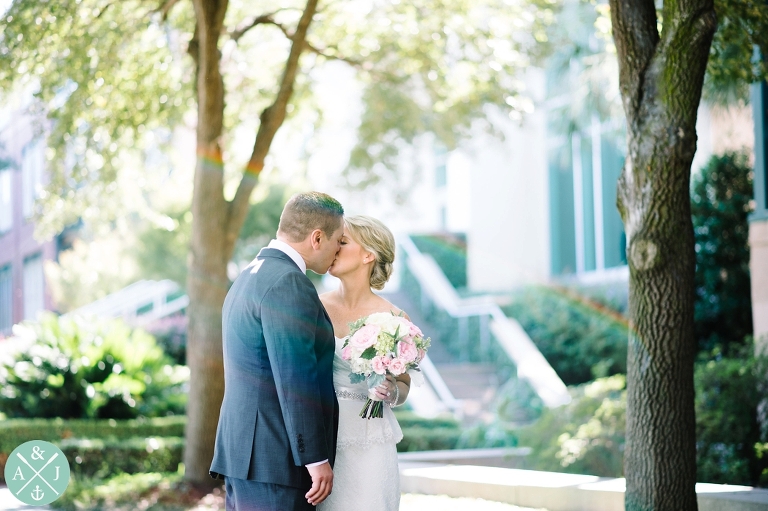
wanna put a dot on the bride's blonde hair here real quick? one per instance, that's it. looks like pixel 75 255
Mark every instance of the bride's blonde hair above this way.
pixel 375 237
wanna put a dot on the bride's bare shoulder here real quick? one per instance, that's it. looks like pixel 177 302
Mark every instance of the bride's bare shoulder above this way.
pixel 390 307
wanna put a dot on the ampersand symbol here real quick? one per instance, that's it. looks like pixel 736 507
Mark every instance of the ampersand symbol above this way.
pixel 37 454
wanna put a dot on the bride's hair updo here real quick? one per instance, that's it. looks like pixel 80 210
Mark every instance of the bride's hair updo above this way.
pixel 375 237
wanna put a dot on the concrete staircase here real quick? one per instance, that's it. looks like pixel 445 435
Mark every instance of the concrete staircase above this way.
pixel 474 385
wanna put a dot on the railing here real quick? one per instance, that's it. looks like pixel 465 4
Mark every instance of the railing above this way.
pixel 140 303
pixel 436 290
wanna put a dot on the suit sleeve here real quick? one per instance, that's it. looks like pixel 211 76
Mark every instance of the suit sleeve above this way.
pixel 289 319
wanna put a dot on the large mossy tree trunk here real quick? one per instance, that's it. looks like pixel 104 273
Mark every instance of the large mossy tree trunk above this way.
pixel 217 221
pixel 661 77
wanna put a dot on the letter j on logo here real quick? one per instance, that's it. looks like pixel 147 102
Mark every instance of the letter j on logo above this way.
pixel 37 473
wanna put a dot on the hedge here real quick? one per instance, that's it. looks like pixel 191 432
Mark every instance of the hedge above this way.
pixel 101 448
pixel 101 458
pixel 14 432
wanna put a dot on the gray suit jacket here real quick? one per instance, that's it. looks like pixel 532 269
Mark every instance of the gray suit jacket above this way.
pixel 279 411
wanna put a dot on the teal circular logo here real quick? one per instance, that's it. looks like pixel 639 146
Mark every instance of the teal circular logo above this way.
pixel 37 473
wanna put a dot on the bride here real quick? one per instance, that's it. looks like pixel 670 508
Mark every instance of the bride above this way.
pixel 365 473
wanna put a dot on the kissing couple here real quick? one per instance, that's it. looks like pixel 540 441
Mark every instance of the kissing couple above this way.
pixel 290 433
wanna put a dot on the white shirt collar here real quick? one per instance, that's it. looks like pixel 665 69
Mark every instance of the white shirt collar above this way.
pixel 290 252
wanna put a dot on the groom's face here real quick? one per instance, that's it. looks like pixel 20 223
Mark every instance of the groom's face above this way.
pixel 327 249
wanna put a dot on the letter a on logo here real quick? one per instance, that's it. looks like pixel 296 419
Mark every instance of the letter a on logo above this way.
pixel 18 474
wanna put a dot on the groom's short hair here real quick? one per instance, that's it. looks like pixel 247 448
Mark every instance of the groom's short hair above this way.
pixel 305 212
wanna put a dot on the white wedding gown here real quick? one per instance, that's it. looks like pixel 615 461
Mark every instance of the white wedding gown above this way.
pixel 365 475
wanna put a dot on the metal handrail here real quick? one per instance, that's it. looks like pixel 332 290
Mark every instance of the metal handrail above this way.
pixel 531 364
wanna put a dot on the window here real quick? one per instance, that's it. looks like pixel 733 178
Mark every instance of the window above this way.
pixel 6 201
pixel 34 287
pixel 32 163
pixel 6 299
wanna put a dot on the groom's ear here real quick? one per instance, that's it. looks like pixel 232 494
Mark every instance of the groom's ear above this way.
pixel 315 238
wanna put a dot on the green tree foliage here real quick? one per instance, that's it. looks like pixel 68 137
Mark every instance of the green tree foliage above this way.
pixel 76 368
pixel 720 204
pixel 114 76
pixel 742 26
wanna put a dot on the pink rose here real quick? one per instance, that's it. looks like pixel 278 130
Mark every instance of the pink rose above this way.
pixel 414 331
pixel 421 355
pixel 379 364
pixel 365 337
pixel 346 353
pixel 397 366
pixel 407 351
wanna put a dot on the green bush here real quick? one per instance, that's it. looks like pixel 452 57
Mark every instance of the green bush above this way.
pixel 728 433
pixel 450 254
pixel 85 369
pixel 428 439
pixel 580 338
pixel 14 432
pixel 720 204
pixel 422 434
pixel 411 420
pixel 102 458
pixel 495 434
pixel 585 436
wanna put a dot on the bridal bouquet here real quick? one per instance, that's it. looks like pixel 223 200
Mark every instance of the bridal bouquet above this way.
pixel 379 344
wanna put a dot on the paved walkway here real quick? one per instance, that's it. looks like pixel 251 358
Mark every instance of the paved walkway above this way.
pixel 408 502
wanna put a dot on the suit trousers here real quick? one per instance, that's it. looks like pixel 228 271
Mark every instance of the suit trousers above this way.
pixel 244 495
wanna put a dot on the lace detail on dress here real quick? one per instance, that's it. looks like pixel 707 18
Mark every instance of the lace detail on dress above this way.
pixel 353 430
pixel 365 475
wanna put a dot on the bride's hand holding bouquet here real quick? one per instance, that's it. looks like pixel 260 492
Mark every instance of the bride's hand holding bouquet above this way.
pixel 379 345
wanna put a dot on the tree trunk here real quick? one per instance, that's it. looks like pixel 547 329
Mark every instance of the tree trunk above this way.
pixel 216 223
pixel 661 80
pixel 207 281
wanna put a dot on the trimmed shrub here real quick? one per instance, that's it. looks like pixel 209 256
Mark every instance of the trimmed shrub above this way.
pixel 408 419
pixel 720 204
pixel 728 433
pixel 85 369
pixel 585 436
pixel 581 339
pixel 14 432
pixel 102 458
pixel 428 439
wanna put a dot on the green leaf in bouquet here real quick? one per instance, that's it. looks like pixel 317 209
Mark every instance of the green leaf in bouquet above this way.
pixel 375 380
pixel 356 378
pixel 369 353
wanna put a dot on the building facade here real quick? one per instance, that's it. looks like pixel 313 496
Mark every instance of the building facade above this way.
pixel 23 290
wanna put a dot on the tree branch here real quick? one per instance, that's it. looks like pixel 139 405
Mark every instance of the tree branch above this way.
pixel 264 19
pixel 271 119
pixel 335 56
pixel 636 38
pixel 165 9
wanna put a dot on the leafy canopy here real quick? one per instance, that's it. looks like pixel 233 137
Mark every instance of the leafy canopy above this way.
pixel 114 77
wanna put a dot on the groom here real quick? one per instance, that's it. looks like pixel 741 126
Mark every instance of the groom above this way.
pixel 276 439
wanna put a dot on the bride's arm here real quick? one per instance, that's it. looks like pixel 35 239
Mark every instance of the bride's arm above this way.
pixel 403 383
